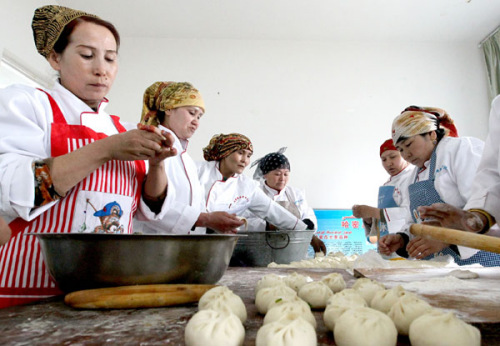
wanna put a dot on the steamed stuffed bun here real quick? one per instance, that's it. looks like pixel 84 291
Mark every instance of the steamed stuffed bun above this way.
pixel 214 328
pixel 316 294
pixel 287 332
pixel 222 298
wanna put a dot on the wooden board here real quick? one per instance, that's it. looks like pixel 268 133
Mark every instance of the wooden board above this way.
pixel 474 300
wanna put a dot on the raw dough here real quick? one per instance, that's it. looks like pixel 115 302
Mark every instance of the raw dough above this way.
pixel 269 294
pixel 406 309
pixel 464 274
pixel 445 329
pixel 383 300
pixel 214 328
pixel 289 332
pixel 269 280
pixel 222 298
pixel 336 307
pixel 367 288
pixel 335 281
pixel 364 326
pixel 347 296
pixel 316 294
pixel 296 280
pixel 293 310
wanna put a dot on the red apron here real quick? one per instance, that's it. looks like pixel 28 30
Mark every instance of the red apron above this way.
pixel 23 275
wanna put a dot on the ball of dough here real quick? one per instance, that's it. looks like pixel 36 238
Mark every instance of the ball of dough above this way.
pixel 405 310
pixel 288 299
pixel 316 294
pixel 214 328
pixel 347 295
pixel 269 280
pixel 289 332
pixel 336 307
pixel 269 294
pixel 383 300
pixel 221 298
pixel 293 310
pixel 335 281
pixel 367 288
pixel 445 329
pixel 464 274
pixel 296 281
pixel 364 326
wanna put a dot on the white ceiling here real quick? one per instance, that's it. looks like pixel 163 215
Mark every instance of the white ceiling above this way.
pixel 359 20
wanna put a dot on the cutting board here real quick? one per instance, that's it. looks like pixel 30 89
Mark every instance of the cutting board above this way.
pixel 474 300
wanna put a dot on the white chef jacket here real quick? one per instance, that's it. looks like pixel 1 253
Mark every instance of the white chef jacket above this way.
pixel 25 134
pixel 486 186
pixel 395 218
pixel 288 194
pixel 457 160
pixel 240 193
pixel 185 198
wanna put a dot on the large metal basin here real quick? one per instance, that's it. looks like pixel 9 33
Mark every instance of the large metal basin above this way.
pixel 79 261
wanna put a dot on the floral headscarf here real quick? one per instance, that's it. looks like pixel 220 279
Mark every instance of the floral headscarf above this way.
pixel 444 118
pixel 48 23
pixel 162 96
pixel 221 146
pixel 270 162
pixel 410 123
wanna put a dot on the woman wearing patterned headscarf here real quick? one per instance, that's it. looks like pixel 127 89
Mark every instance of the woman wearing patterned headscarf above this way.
pixel 445 169
pixel 389 215
pixel 273 173
pixel 59 150
pixel 227 189
pixel 176 108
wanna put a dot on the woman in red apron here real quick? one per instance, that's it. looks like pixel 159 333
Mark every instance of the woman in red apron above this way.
pixel 67 165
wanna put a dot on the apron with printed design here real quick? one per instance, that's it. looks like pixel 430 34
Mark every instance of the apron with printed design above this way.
pixel 423 193
pixel 385 200
pixel 103 202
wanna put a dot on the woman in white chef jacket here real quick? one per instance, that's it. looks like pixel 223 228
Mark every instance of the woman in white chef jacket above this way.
pixel 445 169
pixel 62 158
pixel 273 173
pixel 482 210
pixel 390 214
pixel 177 108
pixel 227 189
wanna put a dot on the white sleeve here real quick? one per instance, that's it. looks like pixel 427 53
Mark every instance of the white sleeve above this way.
pixel 25 117
pixel 486 185
pixel 306 212
pixel 254 223
pixel 269 210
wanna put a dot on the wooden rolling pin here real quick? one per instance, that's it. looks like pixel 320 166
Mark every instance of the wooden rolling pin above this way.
pixel 140 296
pixel 453 236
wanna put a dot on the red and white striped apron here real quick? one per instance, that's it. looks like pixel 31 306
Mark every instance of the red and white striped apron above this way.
pixel 23 275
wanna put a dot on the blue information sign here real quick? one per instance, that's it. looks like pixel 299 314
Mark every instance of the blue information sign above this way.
pixel 341 231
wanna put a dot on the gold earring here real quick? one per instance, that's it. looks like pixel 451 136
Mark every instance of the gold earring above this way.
pixel 434 142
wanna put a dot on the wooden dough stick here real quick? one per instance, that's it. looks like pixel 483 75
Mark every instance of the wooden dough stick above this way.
pixel 140 296
pixel 453 236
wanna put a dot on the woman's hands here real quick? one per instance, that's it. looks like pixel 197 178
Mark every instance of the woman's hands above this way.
pixel 365 212
pixel 318 245
pixel 420 247
pixel 220 221
pixel 446 215
pixel 390 243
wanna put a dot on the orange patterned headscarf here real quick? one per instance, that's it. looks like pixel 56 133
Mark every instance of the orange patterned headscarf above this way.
pixel 222 146
pixel 444 118
pixel 162 96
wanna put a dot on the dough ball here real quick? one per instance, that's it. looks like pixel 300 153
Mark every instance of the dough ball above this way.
pixel 405 310
pixel 335 281
pixel 443 328
pixel 367 288
pixel 296 281
pixel 383 300
pixel 222 299
pixel 316 294
pixel 268 280
pixel 364 326
pixel 464 274
pixel 214 328
pixel 293 310
pixel 289 332
pixel 288 299
pixel 336 307
pixel 349 295
pixel 269 294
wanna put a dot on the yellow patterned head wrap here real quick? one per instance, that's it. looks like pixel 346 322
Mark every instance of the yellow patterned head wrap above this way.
pixel 162 96
pixel 221 146
pixel 49 22
pixel 410 123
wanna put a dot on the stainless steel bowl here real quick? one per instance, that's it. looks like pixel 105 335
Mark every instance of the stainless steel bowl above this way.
pixel 79 261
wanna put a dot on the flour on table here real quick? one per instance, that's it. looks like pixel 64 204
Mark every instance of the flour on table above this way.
pixel 464 274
